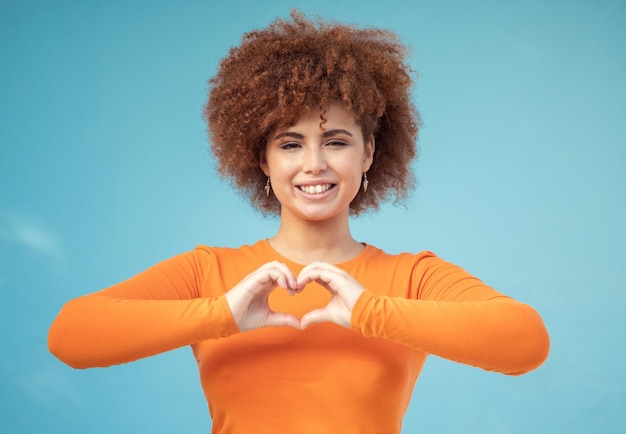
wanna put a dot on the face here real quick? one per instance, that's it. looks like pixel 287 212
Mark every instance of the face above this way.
pixel 316 170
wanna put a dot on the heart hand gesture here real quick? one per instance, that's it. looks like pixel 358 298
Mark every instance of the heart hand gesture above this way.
pixel 248 300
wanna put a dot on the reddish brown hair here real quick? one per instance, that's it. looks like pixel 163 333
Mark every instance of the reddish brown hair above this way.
pixel 279 73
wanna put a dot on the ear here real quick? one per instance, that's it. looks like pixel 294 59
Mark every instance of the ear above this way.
pixel 368 154
pixel 263 163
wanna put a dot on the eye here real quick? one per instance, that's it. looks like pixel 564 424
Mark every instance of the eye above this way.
pixel 289 146
pixel 336 143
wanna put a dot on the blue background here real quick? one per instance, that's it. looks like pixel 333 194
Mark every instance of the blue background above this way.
pixel 104 170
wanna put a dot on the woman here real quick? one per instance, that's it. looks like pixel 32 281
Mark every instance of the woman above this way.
pixel 309 331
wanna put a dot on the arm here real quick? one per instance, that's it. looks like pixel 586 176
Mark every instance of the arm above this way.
pixel 452 314
pixel 500 335
pixel 156 311
pixel 445 312
pixel 164 308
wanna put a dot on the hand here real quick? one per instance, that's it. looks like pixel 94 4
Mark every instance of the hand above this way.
pixel 248 300
pixel 344 288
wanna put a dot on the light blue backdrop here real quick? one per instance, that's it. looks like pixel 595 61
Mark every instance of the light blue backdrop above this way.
pixel 104 170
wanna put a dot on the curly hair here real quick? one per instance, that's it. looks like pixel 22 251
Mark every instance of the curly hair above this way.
pixel 280 73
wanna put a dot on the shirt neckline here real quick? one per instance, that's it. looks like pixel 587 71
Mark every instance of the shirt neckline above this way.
pixel 367 250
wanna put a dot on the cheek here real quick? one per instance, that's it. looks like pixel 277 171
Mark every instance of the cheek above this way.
pixel 272 166
pixel 281 174
pixel 280 169
pixel 353 175
pixel 357 181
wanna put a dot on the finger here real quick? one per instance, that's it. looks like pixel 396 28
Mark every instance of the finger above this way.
pixel 315 317
pixel 329 279
pixel 336 281
pixel 288 280
pixel 264 280
pixel 319 265
pixel 320 271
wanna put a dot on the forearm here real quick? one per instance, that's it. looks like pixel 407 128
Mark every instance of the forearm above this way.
pixel 98 330
pixel 498 335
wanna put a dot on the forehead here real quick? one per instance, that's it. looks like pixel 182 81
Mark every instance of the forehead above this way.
pixel 330 117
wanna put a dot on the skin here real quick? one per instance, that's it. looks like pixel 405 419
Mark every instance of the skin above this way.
pixel 316 171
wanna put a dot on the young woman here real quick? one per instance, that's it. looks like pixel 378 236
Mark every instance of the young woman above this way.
pixel 309 331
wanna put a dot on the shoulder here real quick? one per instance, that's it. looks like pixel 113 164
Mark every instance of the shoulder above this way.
pixel 241 253
pixel 410 274
pixel 373 255
pixel 219 268
pixel 391 273
pixel 422 264
pixel 235 261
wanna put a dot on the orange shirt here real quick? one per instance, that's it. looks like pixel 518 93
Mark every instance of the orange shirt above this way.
pixel 325 379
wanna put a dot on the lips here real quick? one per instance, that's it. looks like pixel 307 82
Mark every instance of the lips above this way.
pixel 315 189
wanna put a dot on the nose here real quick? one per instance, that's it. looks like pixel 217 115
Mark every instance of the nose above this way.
pixel 313 160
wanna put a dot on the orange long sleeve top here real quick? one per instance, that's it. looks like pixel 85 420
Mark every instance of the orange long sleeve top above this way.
pixel 325 379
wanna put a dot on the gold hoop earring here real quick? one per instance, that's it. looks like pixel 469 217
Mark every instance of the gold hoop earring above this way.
pixel 268 187
pixel 365 182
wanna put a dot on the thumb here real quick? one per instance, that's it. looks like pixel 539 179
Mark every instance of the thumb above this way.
pixel 278 319
pixel 315 317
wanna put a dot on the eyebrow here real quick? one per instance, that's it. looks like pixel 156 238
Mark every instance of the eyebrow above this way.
pixel 325 134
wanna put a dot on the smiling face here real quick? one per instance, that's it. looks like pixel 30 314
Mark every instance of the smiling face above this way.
pixel 316 169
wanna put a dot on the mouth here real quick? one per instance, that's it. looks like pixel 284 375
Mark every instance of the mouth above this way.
pixel 315 189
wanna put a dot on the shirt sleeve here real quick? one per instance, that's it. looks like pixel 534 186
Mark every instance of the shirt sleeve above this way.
pixel 454 315
pixel 155 311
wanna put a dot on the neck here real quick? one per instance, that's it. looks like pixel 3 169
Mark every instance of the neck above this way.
pixel 304 241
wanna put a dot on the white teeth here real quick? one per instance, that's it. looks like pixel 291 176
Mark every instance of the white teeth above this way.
pixel 315 189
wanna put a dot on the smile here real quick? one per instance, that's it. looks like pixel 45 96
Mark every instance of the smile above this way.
pixel 315 189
